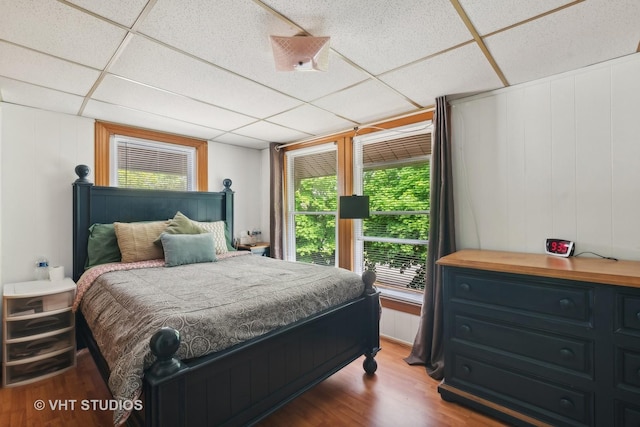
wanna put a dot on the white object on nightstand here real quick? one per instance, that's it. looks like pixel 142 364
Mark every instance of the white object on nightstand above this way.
pixel 38 330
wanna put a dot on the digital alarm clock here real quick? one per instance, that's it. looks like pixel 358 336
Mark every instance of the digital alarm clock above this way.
pixel 559 247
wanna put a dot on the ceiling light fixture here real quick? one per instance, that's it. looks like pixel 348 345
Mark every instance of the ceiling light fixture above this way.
pixel 300 53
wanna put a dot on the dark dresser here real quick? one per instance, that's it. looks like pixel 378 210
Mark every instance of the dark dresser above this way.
pixel 540 340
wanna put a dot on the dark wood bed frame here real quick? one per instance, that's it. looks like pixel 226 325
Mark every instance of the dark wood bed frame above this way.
pixel 245 383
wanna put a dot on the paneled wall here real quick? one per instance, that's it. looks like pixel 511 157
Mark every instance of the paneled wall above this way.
pixel 558 157
pixel 399 326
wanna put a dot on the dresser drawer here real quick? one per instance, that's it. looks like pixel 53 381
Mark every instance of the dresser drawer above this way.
pixel 39 304
pixel 627 415
pixel 42 324
pixel 522 294
pixel 23 350
pixel 554 403
pixel 29 371
pixel 628 369
pixel 534 346
pixel 630 312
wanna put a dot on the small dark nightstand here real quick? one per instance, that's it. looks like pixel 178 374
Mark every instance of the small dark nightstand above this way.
pixel 260 248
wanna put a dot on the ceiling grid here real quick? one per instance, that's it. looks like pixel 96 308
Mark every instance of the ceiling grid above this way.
pixel 205 69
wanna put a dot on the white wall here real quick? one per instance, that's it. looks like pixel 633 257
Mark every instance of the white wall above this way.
pixel 40 150
pixel 244 167
pixel 265 206
pixel 558 157
pixel 399 326
pixel 0 202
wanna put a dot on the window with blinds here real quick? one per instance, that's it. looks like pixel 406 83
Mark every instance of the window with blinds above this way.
pixel 392 168
pixel 312 199
pixel 138 163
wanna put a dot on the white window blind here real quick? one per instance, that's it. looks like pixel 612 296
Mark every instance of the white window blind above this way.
pixel 312 198
pixel 138 163
pixel 392 168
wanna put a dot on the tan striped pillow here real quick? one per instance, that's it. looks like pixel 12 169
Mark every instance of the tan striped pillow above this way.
pixel 135 240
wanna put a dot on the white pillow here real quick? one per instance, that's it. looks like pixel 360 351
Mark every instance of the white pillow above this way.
pixel 219 235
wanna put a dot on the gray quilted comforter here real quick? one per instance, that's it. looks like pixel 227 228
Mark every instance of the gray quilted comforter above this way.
pixel 213 305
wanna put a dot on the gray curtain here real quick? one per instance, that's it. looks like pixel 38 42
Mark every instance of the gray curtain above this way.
pixel 428 346
pixel 276 214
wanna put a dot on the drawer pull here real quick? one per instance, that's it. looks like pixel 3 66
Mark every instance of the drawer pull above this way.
pixel 566 304
pixel 466 287
pixel 638 315
pixel 466 369
pixel 566 354
pixel 465 329
pixel 566 403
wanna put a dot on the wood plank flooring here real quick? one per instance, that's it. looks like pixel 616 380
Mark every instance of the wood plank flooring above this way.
pixel 397 395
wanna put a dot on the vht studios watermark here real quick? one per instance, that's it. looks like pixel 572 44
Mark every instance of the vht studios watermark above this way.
pixel 88 405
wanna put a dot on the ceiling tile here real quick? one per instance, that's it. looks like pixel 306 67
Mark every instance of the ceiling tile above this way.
pixel 585 34
pixel 224 32
pixel 308 85
pixel 29 95
pixel 312 120
pixel 459 71
pixel 117 114
pixel 489 16
pixel 147 62
pixel 145 98
pixel 379 35
pixel 271 132
pixel 366 102
pixel 235 35
pixel 59 30
pixel 241 140
pixel 124 12
pixel 40 69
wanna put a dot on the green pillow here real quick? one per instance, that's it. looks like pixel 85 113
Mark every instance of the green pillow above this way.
pixel 102 246
pixel 180 249
pixel 180 224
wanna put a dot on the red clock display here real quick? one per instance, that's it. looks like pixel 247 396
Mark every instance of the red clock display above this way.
pixel 559 247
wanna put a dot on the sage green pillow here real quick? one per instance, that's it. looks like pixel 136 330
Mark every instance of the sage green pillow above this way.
pixel 180 224
pixel 102 246
pixel 181 249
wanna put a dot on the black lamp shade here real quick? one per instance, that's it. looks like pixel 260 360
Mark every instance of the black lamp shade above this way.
pixel 354 207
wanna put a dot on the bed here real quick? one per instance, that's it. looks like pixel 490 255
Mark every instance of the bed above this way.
pixel 247 380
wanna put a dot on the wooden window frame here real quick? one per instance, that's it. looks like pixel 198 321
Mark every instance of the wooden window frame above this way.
pixel 104 130
pixel 344 143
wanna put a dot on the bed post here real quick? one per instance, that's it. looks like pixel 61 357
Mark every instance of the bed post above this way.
pixel 164 345
pixel 373 318
pixel 228 203
pixel 81 211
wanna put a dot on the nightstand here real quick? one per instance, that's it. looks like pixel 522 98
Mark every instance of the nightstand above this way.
pixel 38 330
pixel 260 248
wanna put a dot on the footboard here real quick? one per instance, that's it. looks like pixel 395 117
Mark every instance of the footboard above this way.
pixel 242 385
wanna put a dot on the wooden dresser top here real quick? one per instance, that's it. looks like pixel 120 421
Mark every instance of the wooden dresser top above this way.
pixel 597 270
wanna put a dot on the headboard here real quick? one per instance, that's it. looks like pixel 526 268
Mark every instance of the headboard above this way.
pixel 105 205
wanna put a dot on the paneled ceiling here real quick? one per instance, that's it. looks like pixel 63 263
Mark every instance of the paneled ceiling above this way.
pixel 204 68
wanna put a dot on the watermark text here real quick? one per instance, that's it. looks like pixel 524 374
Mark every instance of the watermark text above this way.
pixel 88 405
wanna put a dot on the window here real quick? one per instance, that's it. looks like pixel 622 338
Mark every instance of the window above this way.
pixel 393 169
pixel 140 148
pixel 140 163
pixel 312 203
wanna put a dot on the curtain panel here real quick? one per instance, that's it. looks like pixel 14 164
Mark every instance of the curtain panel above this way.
pixel 428 348
pixel 276 162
